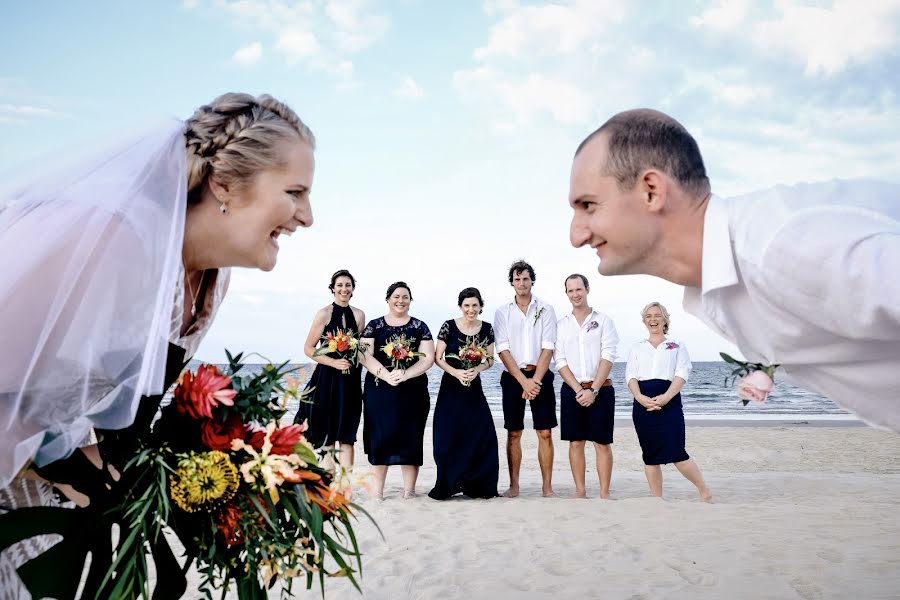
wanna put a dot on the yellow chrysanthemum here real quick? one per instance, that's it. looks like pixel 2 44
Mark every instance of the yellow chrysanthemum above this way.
pixel 332 345
pixel 389 349
pixel 203 481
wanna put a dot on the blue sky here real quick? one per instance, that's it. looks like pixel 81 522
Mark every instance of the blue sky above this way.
pixel 446 129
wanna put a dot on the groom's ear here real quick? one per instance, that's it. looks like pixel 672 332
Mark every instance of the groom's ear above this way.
pixel 654 190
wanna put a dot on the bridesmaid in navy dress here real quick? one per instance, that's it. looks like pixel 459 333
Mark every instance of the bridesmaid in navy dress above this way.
pixel 657 369
pixel 465 441
pixel 396 400
pixel 333 405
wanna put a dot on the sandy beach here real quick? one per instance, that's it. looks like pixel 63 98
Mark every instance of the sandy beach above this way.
pixel 801 511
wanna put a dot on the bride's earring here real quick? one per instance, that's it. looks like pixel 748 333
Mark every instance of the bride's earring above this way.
pixel 222 208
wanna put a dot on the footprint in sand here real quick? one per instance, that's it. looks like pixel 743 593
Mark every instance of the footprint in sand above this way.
pixel 806 589
pixel 690 573
pixel 832 555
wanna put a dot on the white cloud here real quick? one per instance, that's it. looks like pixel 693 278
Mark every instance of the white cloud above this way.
pixel 249 54
pixel 410 89
pixel 24 110
pixel 356 29
pixel 321 35
pixel 298 45
pixel 553 29
pixel 825 40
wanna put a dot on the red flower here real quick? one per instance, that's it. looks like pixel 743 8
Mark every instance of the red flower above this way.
pixel 196 395
pixel 218 436
pixel 227 523
pixel 342 345
pixel 283 439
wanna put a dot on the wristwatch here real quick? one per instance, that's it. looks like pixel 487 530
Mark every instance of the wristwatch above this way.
pixel 595 391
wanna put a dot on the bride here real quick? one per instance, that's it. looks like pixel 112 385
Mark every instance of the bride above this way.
pixel 113 269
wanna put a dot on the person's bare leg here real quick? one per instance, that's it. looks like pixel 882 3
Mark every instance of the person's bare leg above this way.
pixel 346 455
pixel 604 467
pixel 410 475
pixel 380 472
pixel 545 459
pixel 691 471
pixel 654 479
pixel 513 461
pixel 577 463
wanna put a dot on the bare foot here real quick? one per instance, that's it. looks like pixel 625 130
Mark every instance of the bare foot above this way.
pixel 706 496
pixel 580 494
pixel 407 494
pixel 549 494
pixel 512 492
pixel 604 495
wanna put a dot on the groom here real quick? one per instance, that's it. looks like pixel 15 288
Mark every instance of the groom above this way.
pixel 804 276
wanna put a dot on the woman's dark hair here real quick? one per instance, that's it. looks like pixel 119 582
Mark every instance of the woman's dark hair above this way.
pixel 583 279
pixel 395 286
pixel 341 273
pixel 470 292
pixel 518 267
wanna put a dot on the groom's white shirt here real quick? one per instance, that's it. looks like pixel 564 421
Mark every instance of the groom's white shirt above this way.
pixel 808 276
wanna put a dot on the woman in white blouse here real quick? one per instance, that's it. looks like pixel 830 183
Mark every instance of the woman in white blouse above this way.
pixel 657 370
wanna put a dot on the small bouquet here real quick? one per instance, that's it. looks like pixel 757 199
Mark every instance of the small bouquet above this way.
pixel 757 380
pixel 472 353
pixel 244 494
pixel 344 344
pixel 400 351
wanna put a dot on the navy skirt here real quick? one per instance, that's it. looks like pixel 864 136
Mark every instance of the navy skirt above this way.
pixel 660 432
pixel 465 442
pixel 394 425
pixel 333 406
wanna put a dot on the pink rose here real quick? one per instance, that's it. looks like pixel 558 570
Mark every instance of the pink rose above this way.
pixel 755 386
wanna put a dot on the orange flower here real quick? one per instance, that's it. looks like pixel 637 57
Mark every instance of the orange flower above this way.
pixel 196 395
pixel 227 523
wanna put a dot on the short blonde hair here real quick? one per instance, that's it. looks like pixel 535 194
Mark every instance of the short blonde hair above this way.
pixel 662 309
pixel 235 137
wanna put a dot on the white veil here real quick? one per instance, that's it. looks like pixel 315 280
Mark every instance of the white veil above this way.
pixel 89 256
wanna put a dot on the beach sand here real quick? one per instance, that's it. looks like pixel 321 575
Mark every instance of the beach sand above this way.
pixel 800 512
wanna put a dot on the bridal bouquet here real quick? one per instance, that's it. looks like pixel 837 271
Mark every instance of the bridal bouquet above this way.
pixel 344 344
pixel 244 494
pixel 399 350
pixel 472 353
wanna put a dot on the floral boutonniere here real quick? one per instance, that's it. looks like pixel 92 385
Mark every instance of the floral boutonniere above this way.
pixel 537 315
pixel 757 380
pixel 671 345
pixel 593 325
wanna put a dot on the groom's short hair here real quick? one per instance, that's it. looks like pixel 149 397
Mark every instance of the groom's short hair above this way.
pixel 642 139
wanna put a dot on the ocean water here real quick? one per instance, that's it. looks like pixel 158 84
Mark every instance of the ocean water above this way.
pixel 704 395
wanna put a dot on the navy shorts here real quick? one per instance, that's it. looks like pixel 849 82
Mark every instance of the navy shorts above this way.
pixel 543 408
pixel 593 423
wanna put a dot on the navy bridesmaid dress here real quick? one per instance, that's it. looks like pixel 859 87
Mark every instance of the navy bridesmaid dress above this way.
pixel 394 423
pixel 660 432
pixel 333 404
pixel 465 441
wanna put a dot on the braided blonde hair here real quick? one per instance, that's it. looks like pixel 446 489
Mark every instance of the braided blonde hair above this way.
pixel 234 137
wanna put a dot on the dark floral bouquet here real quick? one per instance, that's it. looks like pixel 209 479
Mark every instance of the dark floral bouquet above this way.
pixel 399 350
pixel 245 496
pixel 472 352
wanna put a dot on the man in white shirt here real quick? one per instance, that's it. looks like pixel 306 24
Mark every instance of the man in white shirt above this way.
pixel 586 342
pixel 525 334
pixel 805 276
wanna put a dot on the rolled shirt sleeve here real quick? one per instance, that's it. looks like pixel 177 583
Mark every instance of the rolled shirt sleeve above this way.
pixel 609 341
pixel 683 366
pixel 631 367
pixel 501 331
pixel 559 355
pixel 548 328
